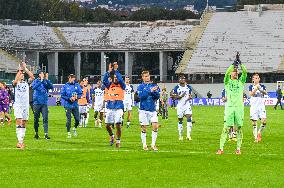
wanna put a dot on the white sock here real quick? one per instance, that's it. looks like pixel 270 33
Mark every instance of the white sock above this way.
pixel 189 126
pixel 18 134
pixel 180 129
pixel 143 138
pixel 128 123
pixel 23 133
pixel 254 131
pixel 118 141
pixel 154 137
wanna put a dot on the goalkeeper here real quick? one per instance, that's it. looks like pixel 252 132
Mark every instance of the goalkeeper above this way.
pixel 235 107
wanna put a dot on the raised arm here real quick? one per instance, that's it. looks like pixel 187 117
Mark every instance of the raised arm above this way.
pixel 120 79
pixel 244 74
pixel 105 79
pixel 47 83
pixel 17 78
pixel 29 73
pixel 228 74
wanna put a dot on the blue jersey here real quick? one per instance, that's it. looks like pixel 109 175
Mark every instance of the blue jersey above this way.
pixel 69 90
pixel 147 97
pixel 40 95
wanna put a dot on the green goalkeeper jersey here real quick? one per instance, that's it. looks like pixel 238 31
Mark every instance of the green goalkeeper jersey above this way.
pixel 235 88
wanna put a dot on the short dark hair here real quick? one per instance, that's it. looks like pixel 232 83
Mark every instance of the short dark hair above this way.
pixel 145 72
pixel 255 74
pixel 71 76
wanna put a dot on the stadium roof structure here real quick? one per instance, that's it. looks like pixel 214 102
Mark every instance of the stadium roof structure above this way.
pixel 258 37
pixel 109 38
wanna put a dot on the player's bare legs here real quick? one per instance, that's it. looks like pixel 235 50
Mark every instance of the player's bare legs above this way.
pixel 262 127
pixel 109 130
pixel 118 134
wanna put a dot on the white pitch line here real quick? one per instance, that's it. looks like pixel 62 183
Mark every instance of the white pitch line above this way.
pixel 133 151
pixel 102 150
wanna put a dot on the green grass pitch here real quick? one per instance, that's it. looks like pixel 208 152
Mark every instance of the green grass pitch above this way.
pixel 89 161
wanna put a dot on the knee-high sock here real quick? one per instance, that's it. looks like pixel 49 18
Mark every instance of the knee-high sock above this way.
pixel 180 129
pixel 19 133
pixel 188 128
pixel 143 138
pixel 239 138
pixel 223 137
pixel 154 137
pixel 254 131
pixel 24 132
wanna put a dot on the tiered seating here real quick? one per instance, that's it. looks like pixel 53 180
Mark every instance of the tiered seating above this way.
pixel 259 39
pixel 8 62
pixel 28 37
pixel 126 37
pixel 94 38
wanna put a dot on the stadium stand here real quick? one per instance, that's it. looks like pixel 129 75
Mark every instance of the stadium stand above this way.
pixel 28 37
pixel 94 38
pixel 258 37
pixel 8 62
pixel 192 41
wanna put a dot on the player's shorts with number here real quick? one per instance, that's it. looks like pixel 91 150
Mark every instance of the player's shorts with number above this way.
pixel 147 117
pixel 21 112
pixel 257 113
pixel 234 116
pixel 113 116
pixel 181 112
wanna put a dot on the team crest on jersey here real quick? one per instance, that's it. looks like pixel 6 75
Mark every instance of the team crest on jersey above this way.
pixel 22 88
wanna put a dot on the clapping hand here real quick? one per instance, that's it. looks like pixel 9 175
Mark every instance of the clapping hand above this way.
pixel 154 88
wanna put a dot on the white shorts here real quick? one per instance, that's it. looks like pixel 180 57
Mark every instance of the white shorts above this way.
pixel 99 107
pixel 257 113
pixel 83 109
pixel 181 112
pixel 146 117
pixel 113 116
pixel 21 112
pixel 127 107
